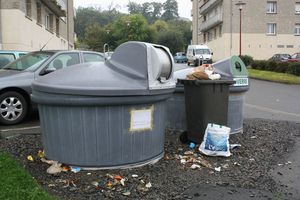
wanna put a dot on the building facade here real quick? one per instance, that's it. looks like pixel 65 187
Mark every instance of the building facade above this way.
pixel 268 27
pixel 28 25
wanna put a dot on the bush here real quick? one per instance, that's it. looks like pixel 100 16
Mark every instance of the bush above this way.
pixel 259 64
pixel 248 60
pixel 282 67
pixel 271 65
pixel 294 68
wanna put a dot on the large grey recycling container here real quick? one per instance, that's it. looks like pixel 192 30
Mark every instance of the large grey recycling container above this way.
pixel 233 68
pixel 107 115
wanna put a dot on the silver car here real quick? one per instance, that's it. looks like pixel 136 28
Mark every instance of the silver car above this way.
pixel 16 79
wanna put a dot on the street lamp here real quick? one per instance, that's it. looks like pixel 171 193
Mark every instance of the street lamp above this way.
pixel 240 4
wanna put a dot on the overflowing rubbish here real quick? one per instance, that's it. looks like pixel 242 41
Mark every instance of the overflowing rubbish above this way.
pixel 193 160
pixel 203 72
pixel 216 141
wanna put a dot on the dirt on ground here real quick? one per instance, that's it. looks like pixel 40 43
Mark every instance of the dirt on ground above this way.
pixel 245 174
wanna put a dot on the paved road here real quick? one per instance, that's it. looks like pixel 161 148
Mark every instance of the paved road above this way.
pixel 273 101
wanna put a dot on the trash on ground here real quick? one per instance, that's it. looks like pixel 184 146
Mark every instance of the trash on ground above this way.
pixel 218 169
pixel 134 175
pixel 190 158
pixel 95 183
pixel 216 141
pixel 55 168
pixel 127 193
pixel 233 146
pixel 225 166
pixel 75 169
pixel 41 154
pixel 49 162
pixel 148 185
pixel 253 137
pixel 30 158
pixel 192 145
pixel 195 166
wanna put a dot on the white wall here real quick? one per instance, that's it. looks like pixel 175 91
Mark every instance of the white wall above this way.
pixel 21 33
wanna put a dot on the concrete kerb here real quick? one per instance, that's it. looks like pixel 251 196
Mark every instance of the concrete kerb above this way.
pixel 13 132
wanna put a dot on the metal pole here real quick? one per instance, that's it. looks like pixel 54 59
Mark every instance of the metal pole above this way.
pixel 0 28
pixel 240 32
pixel 68 26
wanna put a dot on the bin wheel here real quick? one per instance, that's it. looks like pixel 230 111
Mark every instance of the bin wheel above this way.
pixel 13 108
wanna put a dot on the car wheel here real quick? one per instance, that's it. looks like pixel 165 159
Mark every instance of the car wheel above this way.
pixel 13 108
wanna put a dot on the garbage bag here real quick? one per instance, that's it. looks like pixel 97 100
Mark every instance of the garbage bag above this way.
pixel 216 141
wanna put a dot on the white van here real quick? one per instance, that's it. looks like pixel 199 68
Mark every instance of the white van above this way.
pixel 197 54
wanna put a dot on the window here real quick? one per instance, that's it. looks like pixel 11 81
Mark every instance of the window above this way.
pixel 297 29
pixel 47 21
pixel 271 28
pixel 39 12
pixel 51 21
pixel 220 31
pixel 215 33
pixel 28 8
pixel 57 26
pixel 297 8
pixel 92 57
pixel 6 58
pixel 271 7
pixel 64 60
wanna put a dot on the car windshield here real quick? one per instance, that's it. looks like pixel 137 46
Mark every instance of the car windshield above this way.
pixel 202 51
pixel 30 62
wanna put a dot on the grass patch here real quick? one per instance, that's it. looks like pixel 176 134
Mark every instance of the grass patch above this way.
pixel 274 76
pixel 16 183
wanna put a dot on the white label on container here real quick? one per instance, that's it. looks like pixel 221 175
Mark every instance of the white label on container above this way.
pixel 241 82
pixel 141 120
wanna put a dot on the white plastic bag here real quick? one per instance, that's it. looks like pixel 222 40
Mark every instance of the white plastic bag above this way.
pixel 216 141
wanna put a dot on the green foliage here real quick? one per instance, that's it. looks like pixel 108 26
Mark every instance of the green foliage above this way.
pixel 274 76
pixel 86 17
pixel 95 37
pixel 294 68
pixel 131 28
pixel 247 59
pixel 171 39
pixel 280 67
pixel 16 183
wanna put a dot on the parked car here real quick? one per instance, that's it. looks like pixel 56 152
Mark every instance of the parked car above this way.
pixel 294 58
pixel 280 57
pixel 10 56
pixel 180 57
pixel 16 79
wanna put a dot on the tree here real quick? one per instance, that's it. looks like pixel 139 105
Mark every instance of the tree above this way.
pixel 134 8
pixel 160 26
pixel 131 27
pixel 95 37
pixel 170 10
pixel 172 39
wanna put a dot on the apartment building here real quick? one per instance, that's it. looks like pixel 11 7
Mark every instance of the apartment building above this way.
pixel 30 24
pixel 268 27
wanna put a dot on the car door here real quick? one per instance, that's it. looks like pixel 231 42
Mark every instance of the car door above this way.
pixel 61 61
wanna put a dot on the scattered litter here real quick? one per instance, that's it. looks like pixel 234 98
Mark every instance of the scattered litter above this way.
pixel 236 163
pixel 51 185
pixel 188 153
pixel 288 162
pixel 216 141
pixel 251 159
pixel 279 164
pixel 142 181
pixel 41 154
pixel 75 169
pixel 203 72
pixel 49 162
pixel 122 182
pixel 109 184
pixel 180 149
pixel 30 158
pixel 148 185
pixel 55 168
pixel 195 166
pixel 218 169
pixel 95 183
pixel 127 193
pixel 110 176
pixel 182 161
pixel 192 145
pixel 66 168
pixel 253 137
pixel 232 146
pixel 117 177
pixel 134 175
pixel 225 166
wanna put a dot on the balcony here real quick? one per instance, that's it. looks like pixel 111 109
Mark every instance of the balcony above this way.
pixel 55 7
pixel 205 7
pixel 215 20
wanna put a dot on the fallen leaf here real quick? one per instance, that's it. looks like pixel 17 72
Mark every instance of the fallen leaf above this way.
pixel 30 158
pixel 109 184
pixel 41 154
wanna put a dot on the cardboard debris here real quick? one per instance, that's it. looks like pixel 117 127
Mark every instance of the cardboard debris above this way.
pixel 203 72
